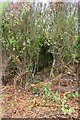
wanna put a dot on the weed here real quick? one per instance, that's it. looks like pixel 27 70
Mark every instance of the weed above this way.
pixel 35 90
pixel 65 108
pixel 36 81
pixel 56 97
pixel 73 95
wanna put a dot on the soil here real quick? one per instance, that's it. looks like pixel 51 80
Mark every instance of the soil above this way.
pixel 25 103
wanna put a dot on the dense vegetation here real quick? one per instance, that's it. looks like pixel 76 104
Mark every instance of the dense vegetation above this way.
pixel 30 34
pixel 38 37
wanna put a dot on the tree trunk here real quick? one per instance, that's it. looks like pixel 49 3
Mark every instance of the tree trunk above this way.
pixel 52 68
